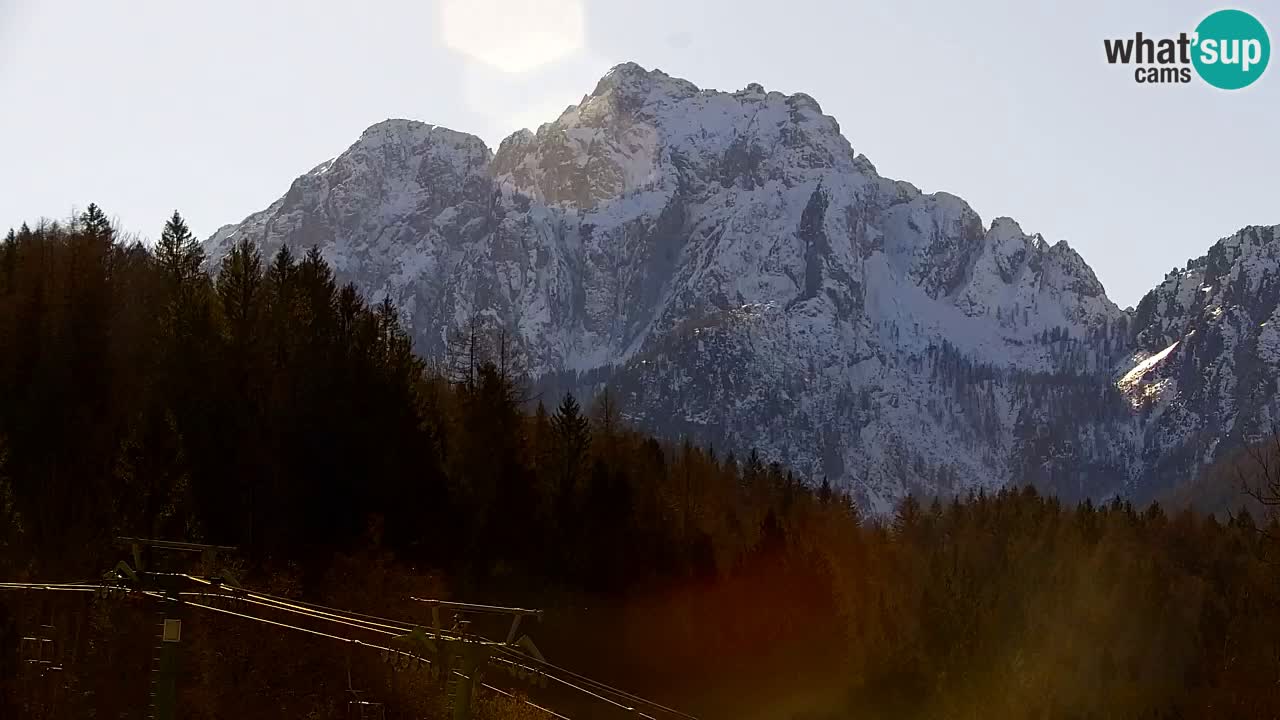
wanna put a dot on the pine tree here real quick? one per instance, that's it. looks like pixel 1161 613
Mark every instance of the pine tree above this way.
pixel 319 293
pixel 280 273
pixel 572 431
pixel 572 434
pixel 239 287
pixel 178 252
pixel 94 224
pixel 281 291
pixel 753 472
pixel 908 517
pixel 824 491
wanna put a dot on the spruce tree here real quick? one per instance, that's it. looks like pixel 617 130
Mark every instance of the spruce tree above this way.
pixel 94 224
pixel 239 287
pixel 282 270
pixel 753 471
pixel 281 287
pixel 572 437
pixel 178 252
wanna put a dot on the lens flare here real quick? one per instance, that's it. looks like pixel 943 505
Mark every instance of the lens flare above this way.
pixel 514 36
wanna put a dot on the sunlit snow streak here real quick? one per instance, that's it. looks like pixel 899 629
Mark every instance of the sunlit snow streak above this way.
pixel 1132 377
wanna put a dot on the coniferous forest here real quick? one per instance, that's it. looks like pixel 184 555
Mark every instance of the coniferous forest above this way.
pixel 259 404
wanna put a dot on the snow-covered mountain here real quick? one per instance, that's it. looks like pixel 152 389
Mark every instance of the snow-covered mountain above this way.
pixel 1206 362
pixel 741 274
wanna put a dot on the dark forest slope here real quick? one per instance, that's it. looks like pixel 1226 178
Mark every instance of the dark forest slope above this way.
pixel 271 409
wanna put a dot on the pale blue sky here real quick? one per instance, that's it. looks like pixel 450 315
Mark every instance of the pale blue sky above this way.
pixel 214 107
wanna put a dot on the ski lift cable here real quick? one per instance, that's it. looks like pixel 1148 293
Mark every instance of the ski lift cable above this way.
pixel 599 685
pixel 397 624
pixel 246 616
pixel 345 618
pixel 512 696
pixel 501 646
pixel 377 625
pixel 321 610
pixel 333 618
pixel 587 691
pixel 388 623
pixel 350 641
pixel 327 617
pixel 271 602
pixel 317 615
pixel 70 587
pixel 322 616
pixel 473 607
pixel 572 686
pixel 582 678
pixel 287 626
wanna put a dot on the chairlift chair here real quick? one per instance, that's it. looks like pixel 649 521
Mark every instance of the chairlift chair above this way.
pixel 49 653
pixel 357 707
pixel 40 651
pixel 29 648
pixel 364 710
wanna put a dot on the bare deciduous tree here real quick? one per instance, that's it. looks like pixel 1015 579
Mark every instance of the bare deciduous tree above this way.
pixel 1258 473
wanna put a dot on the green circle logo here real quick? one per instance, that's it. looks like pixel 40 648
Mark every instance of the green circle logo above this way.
pixel 1232 49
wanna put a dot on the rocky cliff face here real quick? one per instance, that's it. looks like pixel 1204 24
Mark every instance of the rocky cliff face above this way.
pixel 730 264
pixel 1206 358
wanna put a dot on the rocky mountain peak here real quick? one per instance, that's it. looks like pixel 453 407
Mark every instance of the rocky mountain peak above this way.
pixel 629 85
pixel 737 273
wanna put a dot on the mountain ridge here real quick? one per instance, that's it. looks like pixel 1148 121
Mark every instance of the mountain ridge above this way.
pixel 691 247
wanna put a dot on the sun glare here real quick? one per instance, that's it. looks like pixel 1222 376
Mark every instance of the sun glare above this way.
pixel 514 36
